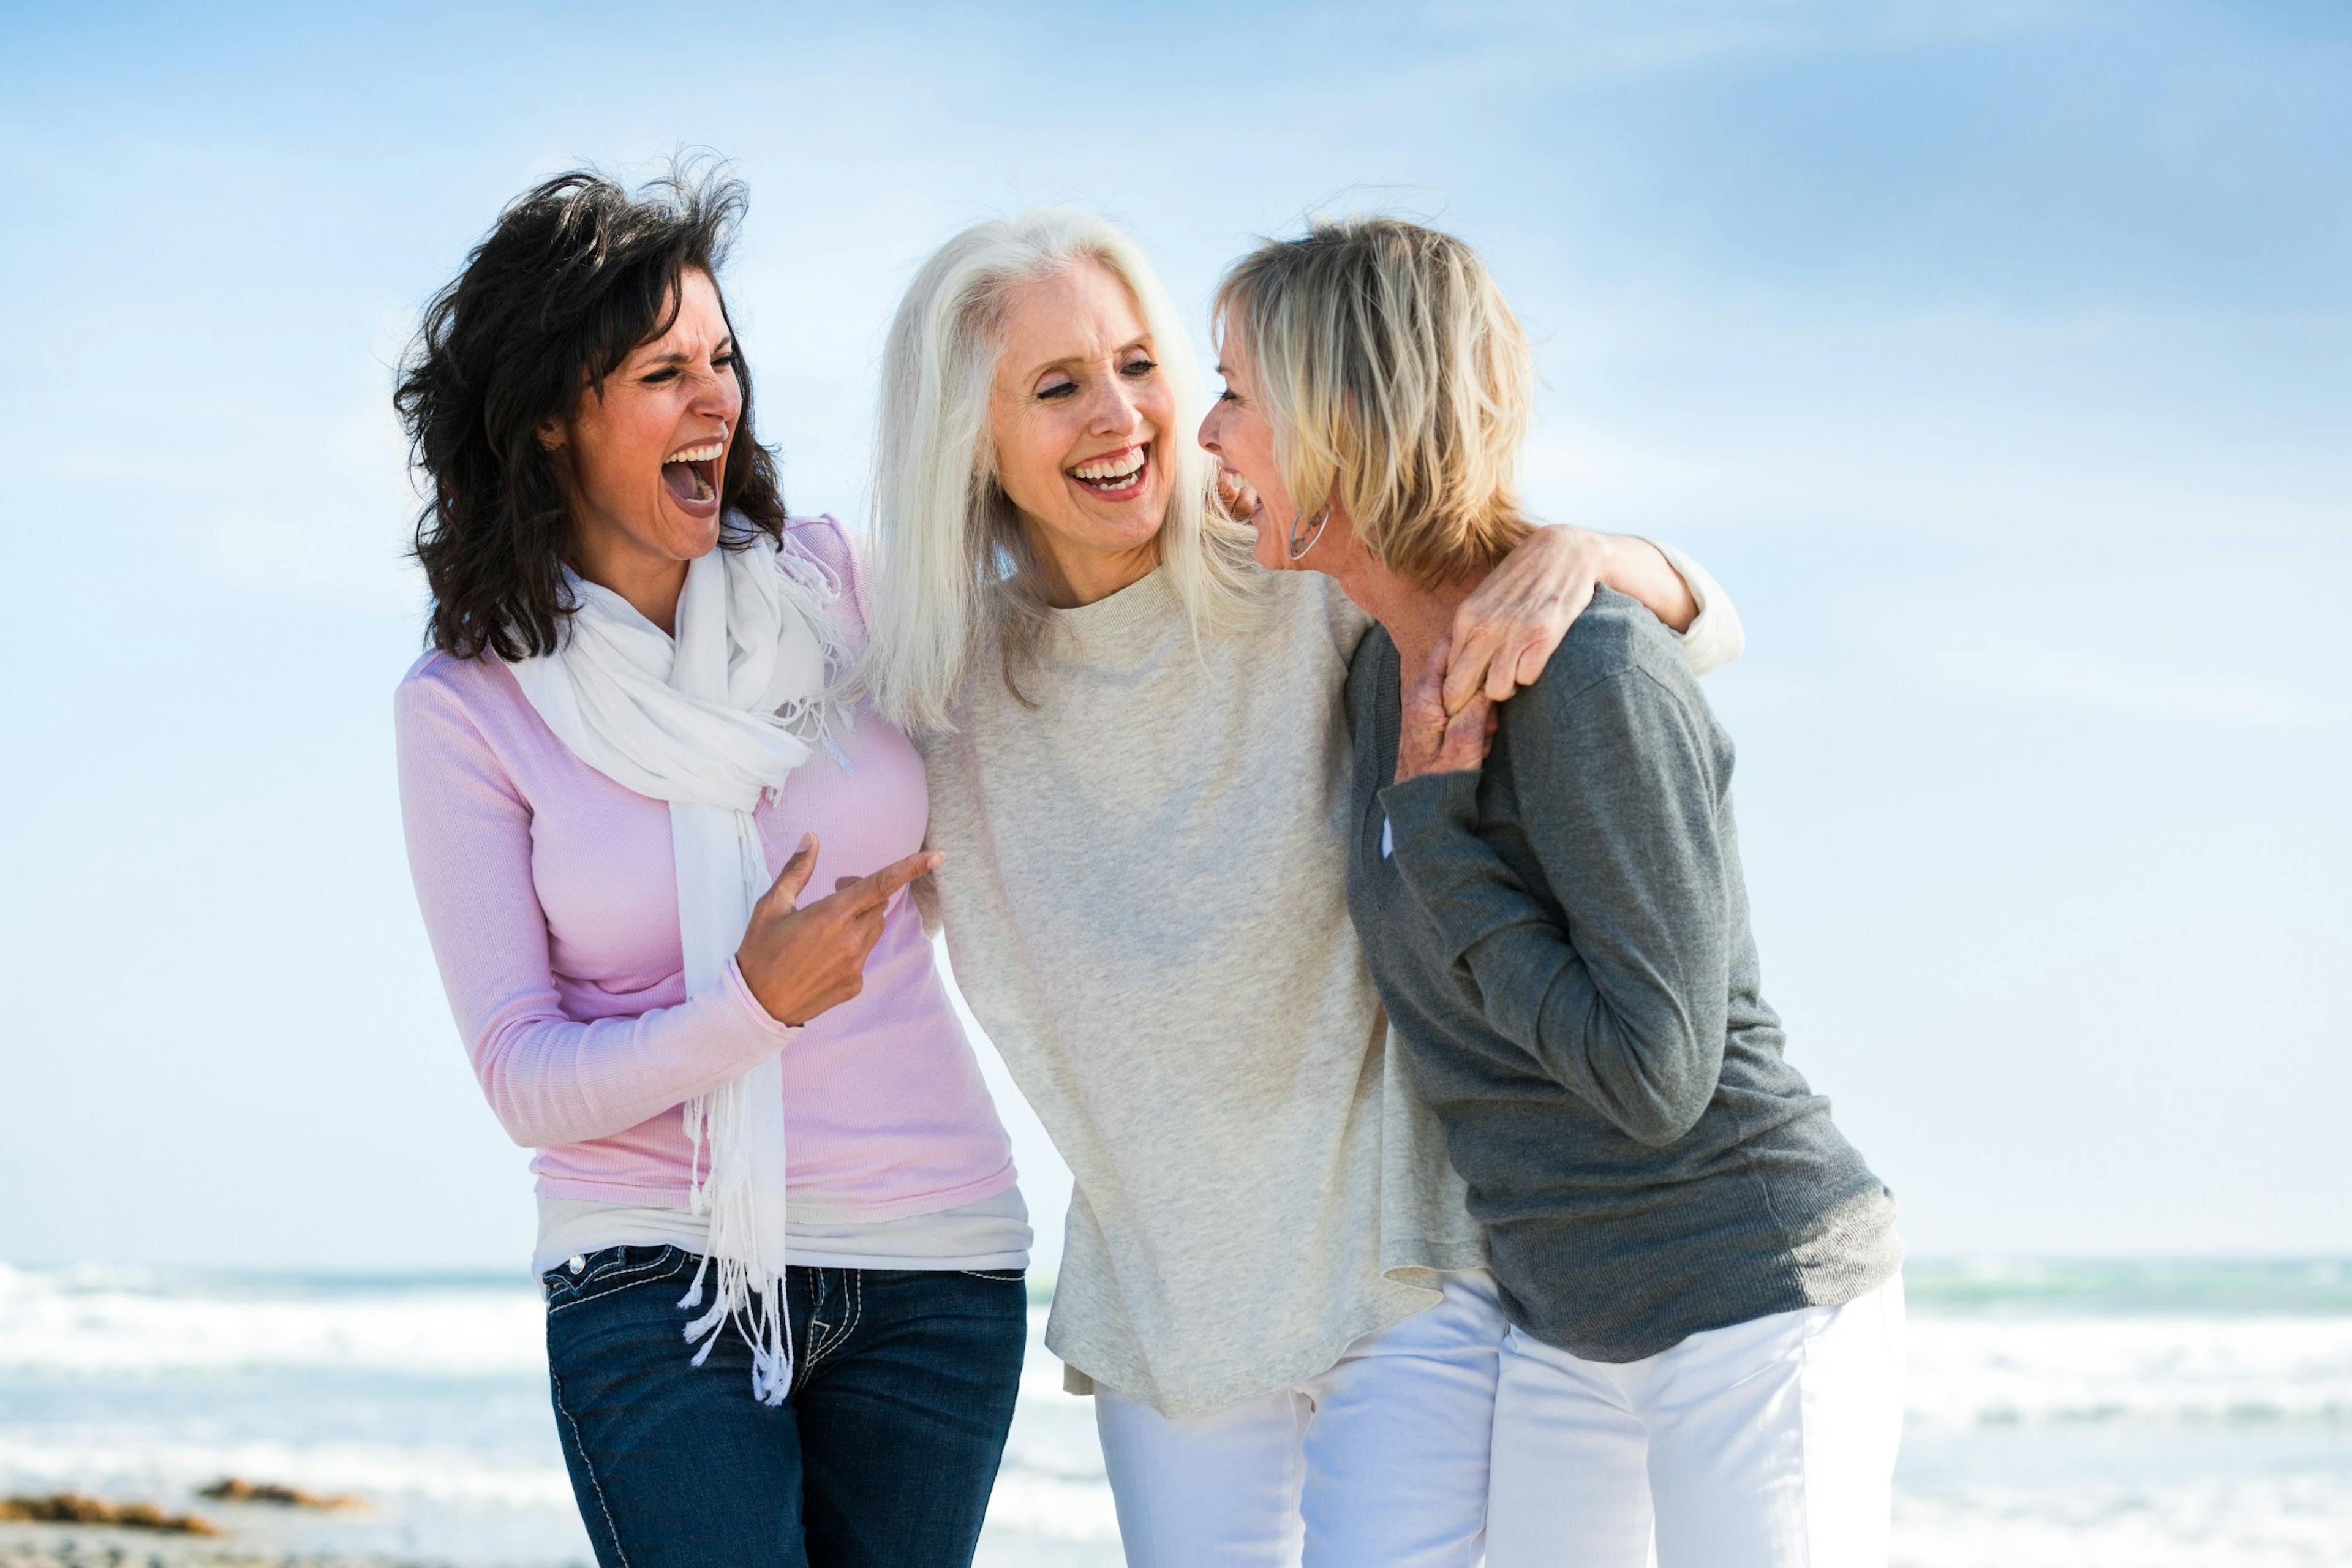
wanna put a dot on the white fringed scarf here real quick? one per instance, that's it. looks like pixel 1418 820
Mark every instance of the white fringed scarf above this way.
pixel 709 722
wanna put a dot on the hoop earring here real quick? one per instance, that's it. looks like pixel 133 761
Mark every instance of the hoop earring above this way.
pixel 1322 520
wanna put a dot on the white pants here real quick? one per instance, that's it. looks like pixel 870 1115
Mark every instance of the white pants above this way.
pixel 1765 1445
pixel 1379 1462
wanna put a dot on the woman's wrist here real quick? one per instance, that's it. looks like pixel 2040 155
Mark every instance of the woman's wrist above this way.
pixel 1640 569
pixel 740 984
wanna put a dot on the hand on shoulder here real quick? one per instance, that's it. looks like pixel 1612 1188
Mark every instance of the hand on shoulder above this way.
pixel 1429 740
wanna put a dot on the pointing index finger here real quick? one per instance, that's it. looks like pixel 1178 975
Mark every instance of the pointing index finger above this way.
pixel 880 886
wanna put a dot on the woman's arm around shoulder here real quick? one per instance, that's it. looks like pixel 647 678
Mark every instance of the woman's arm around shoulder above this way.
pixel 1615 785
pixel 1506 633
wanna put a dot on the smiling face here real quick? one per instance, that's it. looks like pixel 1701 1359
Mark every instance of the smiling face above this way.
pixel 1080 416
pixel 646 448
pixel 1239 435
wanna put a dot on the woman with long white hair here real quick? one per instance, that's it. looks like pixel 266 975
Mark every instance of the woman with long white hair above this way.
pixel 1139 772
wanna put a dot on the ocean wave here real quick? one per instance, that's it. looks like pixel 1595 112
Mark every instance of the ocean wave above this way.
pixel 1054 1508
pixel 399 1475
pixel 84 1320
pixel 2131 1287
pixel 2065 1438
pixel 2173 1371
pixel 2296 1520
pixel 1968 1368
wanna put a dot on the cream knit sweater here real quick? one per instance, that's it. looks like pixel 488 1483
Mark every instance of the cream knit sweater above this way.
pixel 1146 906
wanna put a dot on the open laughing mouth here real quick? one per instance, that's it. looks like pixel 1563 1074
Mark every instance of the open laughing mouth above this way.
pixel 1115 476
pixel 691 476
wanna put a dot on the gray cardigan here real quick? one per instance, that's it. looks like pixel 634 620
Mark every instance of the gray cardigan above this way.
pixel 1562 943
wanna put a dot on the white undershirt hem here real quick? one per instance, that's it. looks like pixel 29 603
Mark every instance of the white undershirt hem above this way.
pixel 991 1234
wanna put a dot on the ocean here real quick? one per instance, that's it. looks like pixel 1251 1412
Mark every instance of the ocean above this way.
pixel 2084 1415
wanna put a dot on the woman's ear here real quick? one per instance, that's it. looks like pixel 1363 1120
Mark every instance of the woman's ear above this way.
pixel 550 433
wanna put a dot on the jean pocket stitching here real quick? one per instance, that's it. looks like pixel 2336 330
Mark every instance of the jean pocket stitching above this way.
pixel 605 1282
pixel 665 1256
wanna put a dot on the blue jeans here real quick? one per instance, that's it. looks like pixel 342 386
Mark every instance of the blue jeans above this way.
pixel 884 1454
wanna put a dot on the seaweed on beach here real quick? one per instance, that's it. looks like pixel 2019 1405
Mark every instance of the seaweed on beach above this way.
pixel 236 1488
pixel 72 1507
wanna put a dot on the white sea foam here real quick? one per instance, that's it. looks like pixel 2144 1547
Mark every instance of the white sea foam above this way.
pixel 1966 1370
pixel 2302 1520
pixel 2042 1431
pixel 418 1474
pixel 2192 1371
pixel 129 1320
pixel 1051 1508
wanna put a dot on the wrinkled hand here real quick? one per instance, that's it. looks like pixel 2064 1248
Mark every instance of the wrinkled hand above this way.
pixel 798 960
pixel 1429 740
pixel 1506 633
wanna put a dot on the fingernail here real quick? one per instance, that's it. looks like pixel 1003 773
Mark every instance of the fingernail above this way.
pixel 807 840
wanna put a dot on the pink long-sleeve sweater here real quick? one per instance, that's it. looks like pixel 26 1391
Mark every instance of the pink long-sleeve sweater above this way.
pixel 551 897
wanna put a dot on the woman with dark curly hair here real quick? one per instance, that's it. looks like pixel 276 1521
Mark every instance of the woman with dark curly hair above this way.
pixel 622 762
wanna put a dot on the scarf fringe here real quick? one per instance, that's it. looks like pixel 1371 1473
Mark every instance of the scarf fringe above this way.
pixel 760 1313
pixel 751 1288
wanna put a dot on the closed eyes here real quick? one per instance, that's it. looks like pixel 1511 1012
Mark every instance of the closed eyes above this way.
pixel 1134 370
pixel 670 372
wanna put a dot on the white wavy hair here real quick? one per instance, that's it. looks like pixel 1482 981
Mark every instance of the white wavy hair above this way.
pixel 957 573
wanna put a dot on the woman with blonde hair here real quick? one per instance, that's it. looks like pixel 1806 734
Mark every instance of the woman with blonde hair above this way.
pixel 1138 764
pixel 1701 1276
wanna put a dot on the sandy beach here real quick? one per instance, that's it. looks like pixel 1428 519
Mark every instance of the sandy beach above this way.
pixel 2124 1416
pixel 90 1546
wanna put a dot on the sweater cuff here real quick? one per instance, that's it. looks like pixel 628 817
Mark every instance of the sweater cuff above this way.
pixel 1434 799
pixel 1434 825
pixel 1715 636
pixel 740 989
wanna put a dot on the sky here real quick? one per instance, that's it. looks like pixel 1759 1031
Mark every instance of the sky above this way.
pixel 1996 356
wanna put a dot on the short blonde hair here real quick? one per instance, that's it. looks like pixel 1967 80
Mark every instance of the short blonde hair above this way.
pixel 957 580
pixel 1397 382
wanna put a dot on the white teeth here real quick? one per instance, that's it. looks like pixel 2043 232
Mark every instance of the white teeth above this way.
pixel 697 454
pixel 1101 471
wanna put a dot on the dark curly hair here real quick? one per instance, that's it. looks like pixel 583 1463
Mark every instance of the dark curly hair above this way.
pixel 577 274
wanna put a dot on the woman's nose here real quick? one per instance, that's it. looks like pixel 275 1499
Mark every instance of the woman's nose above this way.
pixel 717 393
pixel 1115 411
